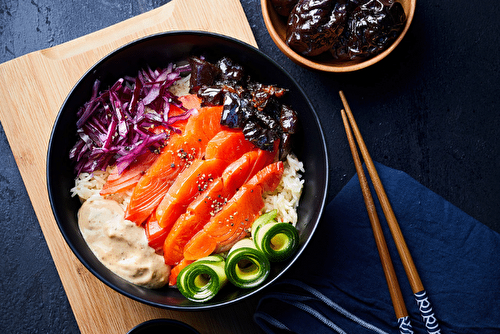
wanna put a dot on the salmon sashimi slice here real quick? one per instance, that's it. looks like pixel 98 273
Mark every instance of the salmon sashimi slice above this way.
pixel 190 101
pixel 127 180
pixel 180 151
pixel 225 147
pixel 196 216
pixel 174 272
pixel 205 124
pixel 243 169
pixel 232 223
pixel 189 184
pixel 203 206
pixel 228 145
pixel 177 113
pixel 211 201
pixel 155 234
pixel 154 184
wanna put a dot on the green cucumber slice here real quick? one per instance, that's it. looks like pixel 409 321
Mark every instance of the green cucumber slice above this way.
pixel 246 266
pixel 264 219
pixel 201 280
pixel 278 241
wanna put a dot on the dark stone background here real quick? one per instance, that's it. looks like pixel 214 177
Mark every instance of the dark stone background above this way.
pixel 429 109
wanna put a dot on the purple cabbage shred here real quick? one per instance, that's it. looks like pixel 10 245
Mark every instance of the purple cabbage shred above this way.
pixel 114 126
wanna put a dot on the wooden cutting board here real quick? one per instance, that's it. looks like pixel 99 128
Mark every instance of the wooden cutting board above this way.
pixel 38 84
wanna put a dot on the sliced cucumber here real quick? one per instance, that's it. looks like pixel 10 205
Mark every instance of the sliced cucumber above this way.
pixel 264 219
pixel 246 266
pixel 278 241
pixel 201 280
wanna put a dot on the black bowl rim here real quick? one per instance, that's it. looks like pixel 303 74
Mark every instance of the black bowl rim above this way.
pixel 162 321
pixel 201 306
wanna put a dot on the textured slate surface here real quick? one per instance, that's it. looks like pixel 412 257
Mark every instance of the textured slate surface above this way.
pixel 429 109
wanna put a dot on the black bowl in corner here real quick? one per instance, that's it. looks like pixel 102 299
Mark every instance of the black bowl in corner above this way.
pixel 160 326
pixel 159 50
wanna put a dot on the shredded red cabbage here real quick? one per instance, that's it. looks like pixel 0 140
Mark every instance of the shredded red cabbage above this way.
pixel 114 126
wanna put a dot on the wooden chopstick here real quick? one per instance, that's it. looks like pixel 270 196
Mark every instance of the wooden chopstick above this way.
pixel 419 292
pixel 390 275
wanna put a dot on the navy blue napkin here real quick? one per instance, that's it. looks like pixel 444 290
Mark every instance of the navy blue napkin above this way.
pixel 338 284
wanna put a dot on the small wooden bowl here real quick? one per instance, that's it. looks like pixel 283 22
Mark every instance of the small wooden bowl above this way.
pixel 276 26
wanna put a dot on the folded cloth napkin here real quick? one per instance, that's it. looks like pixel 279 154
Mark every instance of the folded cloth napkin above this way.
pixel 338 285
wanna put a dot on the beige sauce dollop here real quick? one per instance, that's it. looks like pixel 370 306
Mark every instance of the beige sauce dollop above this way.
pixel 120 244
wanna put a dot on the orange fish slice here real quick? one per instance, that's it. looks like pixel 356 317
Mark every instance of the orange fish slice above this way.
pixel 190 101
pixel 223 148
pixel 228 145
pixel 211 201
pixel 196 216
pixel 205 125
pixel 154 184
pixel 129 177
pixel 233 221
pixel 155 234
pixel 190 183
pixel 174 272
pixel 179 152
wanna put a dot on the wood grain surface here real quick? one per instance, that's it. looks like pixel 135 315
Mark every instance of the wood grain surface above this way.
pixel 38 84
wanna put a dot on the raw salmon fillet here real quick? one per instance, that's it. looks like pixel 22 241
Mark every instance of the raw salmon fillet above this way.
pixel 225 147
pixel 232 223
pixel 128 179
pixel 211 201
pixel 180 151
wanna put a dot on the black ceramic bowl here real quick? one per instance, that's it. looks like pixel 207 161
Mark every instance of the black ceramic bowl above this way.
pixel 159 50
pixel 161 326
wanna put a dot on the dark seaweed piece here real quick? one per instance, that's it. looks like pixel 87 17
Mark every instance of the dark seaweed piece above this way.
pixel 211 95
pixel 203 73
pixel 288 119
pixel 285 145
pixel 314 25
pixel 235 111
pixel 283 7
pixel 230 73
pixel 211 81
pixel 260 134
pixel 371 28
pixel 261 94
pixel 260 126
pixel 251 106
pixel 289 124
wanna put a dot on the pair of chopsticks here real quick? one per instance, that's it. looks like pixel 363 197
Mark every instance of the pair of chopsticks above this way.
pixel 417 287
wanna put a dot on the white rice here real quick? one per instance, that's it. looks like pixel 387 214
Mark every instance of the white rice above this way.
pixel 285 198
pixel 89 185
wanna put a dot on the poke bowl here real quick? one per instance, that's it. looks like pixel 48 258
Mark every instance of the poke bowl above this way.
pixel 158 51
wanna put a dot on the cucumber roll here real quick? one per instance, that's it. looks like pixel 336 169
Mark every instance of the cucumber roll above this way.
pixel 201 280
pixel 263 219
pixel 246 266
pixel 278 241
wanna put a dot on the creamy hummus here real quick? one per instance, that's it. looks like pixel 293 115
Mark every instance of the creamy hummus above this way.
pixel 120 244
